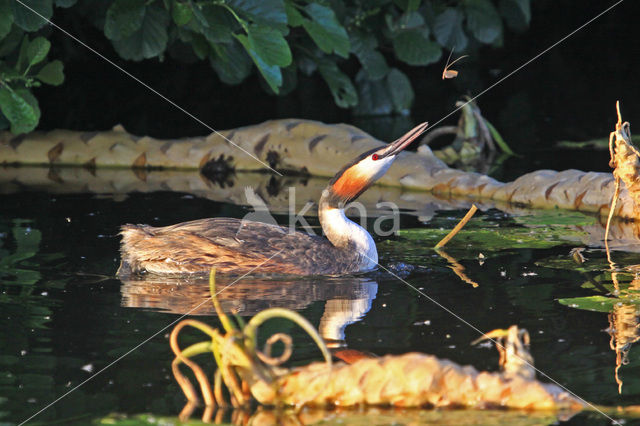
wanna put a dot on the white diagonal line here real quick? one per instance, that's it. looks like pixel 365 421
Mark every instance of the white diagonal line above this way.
pixel 392 273
pixel 525 64
pixel 143 342
pixel 150 88
pixel 458 317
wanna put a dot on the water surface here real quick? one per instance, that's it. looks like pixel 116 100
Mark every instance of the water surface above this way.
pixel 64 314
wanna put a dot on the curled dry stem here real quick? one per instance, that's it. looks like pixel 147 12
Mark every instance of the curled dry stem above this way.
pixel 251 330
pixel 251 334
pixel 265 355
pixel 183 357
pixel 229 375
pixel 235 353
pixel 224 319
pixel 217 389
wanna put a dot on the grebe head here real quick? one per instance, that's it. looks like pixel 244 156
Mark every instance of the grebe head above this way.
pixel 357 176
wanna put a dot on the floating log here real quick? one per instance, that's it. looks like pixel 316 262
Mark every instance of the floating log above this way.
pixel 308 148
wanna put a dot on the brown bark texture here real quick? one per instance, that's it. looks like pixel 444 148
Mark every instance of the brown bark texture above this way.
pixel 308 148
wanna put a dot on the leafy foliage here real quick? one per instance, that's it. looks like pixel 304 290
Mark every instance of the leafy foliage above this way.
pixel 28 68
pixel 277 38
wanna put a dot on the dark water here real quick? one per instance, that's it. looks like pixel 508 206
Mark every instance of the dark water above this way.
pixel 64 316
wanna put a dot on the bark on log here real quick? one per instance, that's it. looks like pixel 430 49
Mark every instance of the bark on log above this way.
pixel 312 148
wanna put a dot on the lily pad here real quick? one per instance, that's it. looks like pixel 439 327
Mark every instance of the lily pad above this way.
pixel 567 262
pixel 598 303
pixel 596 261
pixel 498 238
pixel 556 217
pixel 147 419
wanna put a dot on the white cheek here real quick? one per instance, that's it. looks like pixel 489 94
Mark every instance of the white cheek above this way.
pixel 377 168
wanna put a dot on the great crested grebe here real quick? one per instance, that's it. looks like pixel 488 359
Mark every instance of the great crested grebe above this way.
pixel 239 246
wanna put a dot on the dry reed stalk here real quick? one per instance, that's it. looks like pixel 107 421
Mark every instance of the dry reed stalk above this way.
pixel 458 227
pixel 625 161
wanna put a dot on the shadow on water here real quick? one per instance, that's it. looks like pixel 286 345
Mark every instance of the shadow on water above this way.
pixel 64 316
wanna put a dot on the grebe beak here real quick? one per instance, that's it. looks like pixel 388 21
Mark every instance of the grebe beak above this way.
pixel 401 143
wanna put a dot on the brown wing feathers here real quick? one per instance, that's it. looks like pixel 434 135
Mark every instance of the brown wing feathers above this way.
pixel 197 246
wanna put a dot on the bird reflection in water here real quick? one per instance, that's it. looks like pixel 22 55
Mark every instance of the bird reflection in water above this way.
pixel 347 299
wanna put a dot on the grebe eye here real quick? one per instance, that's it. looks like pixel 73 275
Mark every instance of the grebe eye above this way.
pixel 374 157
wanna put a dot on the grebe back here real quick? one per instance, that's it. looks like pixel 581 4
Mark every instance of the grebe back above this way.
pixel 239 246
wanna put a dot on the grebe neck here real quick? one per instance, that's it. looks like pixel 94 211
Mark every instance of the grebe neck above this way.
pixel 344 233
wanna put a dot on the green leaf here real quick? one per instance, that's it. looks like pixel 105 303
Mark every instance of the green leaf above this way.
pixel 409 21
pixel 325 30
pixel 231 62
pixel 374 64
pixel 52 73
pixel 216 23
pixel 270 45
pixel 592 303
pixel 483 20
pixel 406 21
pixel 364 45
pixel 271 73
pixel 294 18
pixel 11 41
pixel 269 12
pixel 23 56
pixel 498 239
pixel 343 91
pixel 373 97
pixel 399 86
pixel 149 40
pixel 448 29
pixel 517 13
pixel 31 100
pixel 124 17
pixel 33 15
pixel 200 46
pixel 181 13
pixel 199 14
pixel 551 218
pixel 289 79
pixel 6 18
pixel 414 49
pixel 27 242
pixel 65 3
pixel 499 140
pixel 19 110
pixel 38 50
